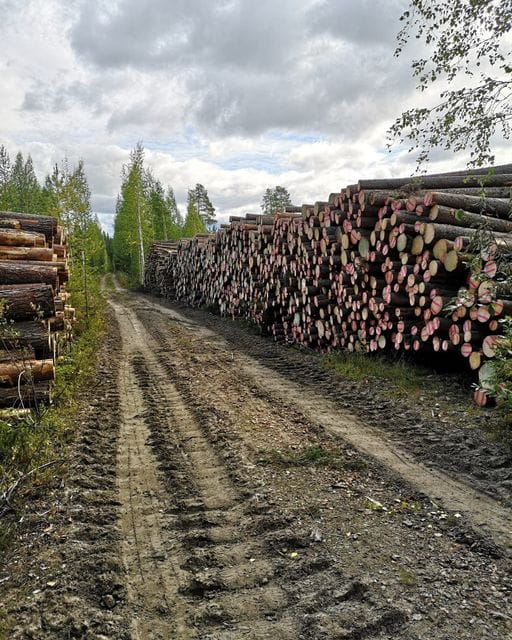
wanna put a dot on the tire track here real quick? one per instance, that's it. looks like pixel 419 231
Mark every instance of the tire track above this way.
pixel 153 574
pixel 276 379
pixel 216 531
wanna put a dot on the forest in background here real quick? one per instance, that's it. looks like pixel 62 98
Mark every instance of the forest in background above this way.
pixel 146 211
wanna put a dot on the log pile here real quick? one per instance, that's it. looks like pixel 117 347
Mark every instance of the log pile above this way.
pixel 401 264
pixel 35 320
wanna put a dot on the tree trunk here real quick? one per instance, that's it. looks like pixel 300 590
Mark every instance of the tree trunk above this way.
pixel 15 238
pixel 486 206
pixel 437 182
pixel 30 222
pixel 17 272
pixel 41 254
pixel 33 333
pixel 467 219
pixel 27 302
pixel 31 395
pixel 29 370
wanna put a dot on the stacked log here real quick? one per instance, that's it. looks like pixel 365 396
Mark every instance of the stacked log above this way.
pixel 35 318
pixel 401 264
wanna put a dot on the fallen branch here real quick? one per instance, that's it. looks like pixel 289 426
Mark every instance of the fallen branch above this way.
pixel 6 496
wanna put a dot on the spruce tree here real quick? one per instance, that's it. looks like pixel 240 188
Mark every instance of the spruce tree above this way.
pixel 6 187
pixel 133 227
pixel 159 211
pixel 266 202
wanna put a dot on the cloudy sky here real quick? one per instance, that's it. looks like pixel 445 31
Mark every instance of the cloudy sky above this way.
pixel 239 95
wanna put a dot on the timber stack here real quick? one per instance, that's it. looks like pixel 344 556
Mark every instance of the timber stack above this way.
pixel 36 321
pixel 403 264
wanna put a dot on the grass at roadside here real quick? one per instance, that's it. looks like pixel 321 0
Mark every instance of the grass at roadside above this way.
pixel 317 456
pixel 126 282
pixel 361 367
pixel 439 396
pixel 108 282
pixel 41 438
pixel 29 443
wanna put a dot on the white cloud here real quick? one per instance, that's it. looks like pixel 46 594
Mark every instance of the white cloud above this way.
pixel 234 94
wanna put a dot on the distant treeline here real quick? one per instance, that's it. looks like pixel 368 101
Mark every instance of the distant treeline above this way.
pixel 146 212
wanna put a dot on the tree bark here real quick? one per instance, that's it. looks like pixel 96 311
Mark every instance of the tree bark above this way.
pixel 436 182
pixel 486 206
pixel 17 272
pixel 41 254
pixel 27 302
pixel 35 370
pixel 16 238
pixel 31 395
pixel 35 223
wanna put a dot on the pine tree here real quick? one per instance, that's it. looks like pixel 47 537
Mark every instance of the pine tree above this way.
pixel 275 199
pixel 65 195
pixel 52 193
pixel 266 202
pixel 203 205
pixel 193 222
pixel 49 204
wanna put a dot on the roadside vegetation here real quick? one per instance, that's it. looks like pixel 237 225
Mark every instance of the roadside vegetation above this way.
pixel 440 396
pixel 33 443
pixel 406 376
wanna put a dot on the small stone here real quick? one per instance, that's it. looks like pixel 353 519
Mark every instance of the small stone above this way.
pixel 417 617
pixel 109 601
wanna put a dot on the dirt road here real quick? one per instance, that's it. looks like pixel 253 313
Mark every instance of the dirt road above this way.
pixel 221 498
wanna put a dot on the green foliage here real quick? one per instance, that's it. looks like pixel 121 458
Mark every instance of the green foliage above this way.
pixel 25 188
pixel 158 209
pixel 361 367
pixel 203 204
pixel 144 213
pixel 329 457
pixel 6 186
pixel 467 41
pixel 500 381
pixel 133 226
pixel 193 222
pixel 19 189
pixel 175 231
pixel 274 200
pixel 66 196
pixel 28 443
